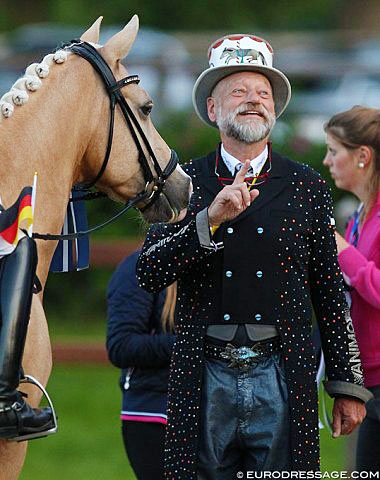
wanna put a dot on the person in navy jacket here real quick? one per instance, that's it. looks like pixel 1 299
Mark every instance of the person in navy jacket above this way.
pixel 139 341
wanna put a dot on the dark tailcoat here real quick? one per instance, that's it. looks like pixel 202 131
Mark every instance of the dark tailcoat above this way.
pixel 280 256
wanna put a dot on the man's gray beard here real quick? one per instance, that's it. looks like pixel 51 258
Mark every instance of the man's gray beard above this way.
pixel 251 132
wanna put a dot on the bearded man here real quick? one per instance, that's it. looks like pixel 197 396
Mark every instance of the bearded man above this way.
pixel 254 254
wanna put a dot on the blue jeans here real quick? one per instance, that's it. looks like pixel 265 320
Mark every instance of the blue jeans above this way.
pixel 244 420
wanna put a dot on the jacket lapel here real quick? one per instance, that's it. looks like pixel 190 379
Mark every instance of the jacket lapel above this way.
pixel 210 182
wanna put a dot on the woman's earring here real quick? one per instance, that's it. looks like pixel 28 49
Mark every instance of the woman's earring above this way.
pixel 361 164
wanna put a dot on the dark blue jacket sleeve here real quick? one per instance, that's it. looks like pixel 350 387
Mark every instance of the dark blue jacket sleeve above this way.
pixel 131 341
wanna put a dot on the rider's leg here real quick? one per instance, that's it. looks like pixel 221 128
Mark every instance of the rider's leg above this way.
pixel 17 272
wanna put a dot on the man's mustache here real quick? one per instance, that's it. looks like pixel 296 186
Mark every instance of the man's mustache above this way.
pixel 252 106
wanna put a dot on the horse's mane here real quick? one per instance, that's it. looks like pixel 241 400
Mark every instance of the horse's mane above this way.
pixel 29 82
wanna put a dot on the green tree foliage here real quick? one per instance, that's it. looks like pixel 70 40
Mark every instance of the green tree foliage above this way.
pixel 181 15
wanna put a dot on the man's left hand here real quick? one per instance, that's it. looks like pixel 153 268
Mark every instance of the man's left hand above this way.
pixel 348 413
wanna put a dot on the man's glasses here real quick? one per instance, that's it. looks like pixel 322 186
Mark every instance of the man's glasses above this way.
pixel 253 181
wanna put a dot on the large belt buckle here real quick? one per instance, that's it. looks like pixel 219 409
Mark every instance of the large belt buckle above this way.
pixel 242 358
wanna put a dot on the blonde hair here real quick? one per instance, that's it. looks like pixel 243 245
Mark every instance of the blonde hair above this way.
pixel 357 127
pixel 167 315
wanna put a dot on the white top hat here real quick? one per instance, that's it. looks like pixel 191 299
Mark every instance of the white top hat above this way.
pixel 239 53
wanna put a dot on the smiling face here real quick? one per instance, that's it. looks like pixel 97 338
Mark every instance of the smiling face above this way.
pixel 242 106
pixel 343 164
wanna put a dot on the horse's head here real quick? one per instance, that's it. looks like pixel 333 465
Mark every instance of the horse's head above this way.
pixel 139 157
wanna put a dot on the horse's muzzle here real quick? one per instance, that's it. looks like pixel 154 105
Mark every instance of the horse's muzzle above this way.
pixel 171 205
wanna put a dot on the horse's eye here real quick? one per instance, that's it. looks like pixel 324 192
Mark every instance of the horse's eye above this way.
pixel 147 108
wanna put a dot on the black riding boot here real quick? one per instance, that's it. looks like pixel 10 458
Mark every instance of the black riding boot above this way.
pixel 17 272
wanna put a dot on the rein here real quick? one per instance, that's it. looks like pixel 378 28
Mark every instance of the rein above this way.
pixel 91 54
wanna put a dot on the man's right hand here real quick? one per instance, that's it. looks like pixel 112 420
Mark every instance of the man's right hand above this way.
pixel 232 200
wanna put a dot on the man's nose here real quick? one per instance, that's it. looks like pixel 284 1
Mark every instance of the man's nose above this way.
pixel 253 97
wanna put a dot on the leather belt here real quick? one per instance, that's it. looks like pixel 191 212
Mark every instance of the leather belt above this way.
pixel 243 358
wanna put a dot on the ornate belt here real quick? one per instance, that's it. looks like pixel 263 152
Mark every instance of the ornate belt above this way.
pixel 243 358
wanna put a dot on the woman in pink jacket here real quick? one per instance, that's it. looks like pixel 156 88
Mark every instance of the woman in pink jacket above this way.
pixel 353 158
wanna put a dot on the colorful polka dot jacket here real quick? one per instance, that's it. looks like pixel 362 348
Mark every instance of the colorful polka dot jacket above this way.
pixel 273 264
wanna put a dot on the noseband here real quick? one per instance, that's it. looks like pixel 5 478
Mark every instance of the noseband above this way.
pixel 91 54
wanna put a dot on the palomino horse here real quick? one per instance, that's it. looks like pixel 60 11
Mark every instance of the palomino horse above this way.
pixel 55 121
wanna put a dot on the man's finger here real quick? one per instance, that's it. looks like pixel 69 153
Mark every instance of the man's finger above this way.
pixel 254 194
pixel 241 173
pixel 337 419
pixel 242 191
pixel 245 195
pixel 234 198
pixel 347 427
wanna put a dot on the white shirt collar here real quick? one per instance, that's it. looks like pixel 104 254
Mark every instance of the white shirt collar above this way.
pixel 257 163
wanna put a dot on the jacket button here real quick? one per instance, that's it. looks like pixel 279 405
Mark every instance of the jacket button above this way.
pixel 259 274
pixel 230 230
pixel 260 230
pixel 258 317
pixel 226 317
pixel 228 274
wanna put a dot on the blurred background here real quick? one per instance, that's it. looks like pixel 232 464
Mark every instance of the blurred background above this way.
pixel 330 51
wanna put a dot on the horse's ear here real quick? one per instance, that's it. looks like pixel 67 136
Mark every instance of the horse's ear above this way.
pixel 118 46
pixel 92 34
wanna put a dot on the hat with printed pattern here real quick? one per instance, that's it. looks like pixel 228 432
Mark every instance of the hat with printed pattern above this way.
pixel 239 53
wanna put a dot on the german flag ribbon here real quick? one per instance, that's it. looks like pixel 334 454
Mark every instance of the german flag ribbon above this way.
pixel 12 218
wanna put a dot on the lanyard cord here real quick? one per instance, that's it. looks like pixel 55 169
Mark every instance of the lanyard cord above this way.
pixel 251 181
pixel 354 234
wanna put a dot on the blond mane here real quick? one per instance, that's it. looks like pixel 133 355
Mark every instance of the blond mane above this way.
pixel 31 81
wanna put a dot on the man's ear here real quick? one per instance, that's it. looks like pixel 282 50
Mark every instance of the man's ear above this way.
pixel 211 109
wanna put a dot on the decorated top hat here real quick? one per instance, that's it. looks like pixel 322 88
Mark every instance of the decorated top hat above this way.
pixel 239 53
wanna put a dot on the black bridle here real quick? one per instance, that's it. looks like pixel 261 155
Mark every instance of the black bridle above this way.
pixel 91 54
